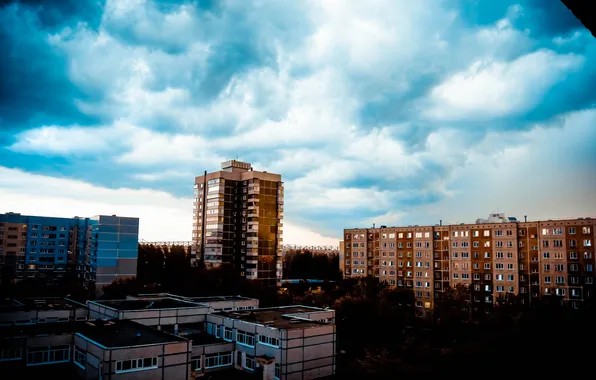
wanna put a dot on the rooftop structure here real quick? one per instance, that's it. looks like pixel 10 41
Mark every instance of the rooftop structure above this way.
pixel 283 317
pixel 147 304
pixel 123 333
pixel 41 310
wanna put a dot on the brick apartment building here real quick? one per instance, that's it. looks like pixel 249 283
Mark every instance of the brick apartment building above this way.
pixel 237 219
pixel 494 257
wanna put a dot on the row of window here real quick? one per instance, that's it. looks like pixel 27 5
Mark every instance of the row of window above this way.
pixel 222 359
pixel 242 337
pixel 476 233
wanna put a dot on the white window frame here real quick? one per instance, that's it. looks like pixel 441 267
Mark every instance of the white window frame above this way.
pixel 223 359
pixel 47 353
pixel 77 351
pixel 137 365
pixel 268 341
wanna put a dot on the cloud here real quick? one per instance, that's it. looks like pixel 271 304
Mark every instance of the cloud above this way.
pixel 488 90
pixel 163 217
pixel 371 112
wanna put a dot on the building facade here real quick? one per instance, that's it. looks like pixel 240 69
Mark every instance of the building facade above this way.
pixel 166 337
pixel 99 249
pixel 495 257
pixel 237 219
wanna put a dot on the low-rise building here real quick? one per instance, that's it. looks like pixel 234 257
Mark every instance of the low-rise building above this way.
pixel 171 337
pixel 41 310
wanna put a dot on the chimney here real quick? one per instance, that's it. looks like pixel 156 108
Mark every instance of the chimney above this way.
pixel 525 218
pixel 373 225
pixel 441 222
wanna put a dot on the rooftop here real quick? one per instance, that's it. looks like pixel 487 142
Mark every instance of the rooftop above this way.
pixel 123 333
pixel 26 304
pixel 218 299
pixel 202 338
pixel 284 317
pixel 153 304
pixel 38 329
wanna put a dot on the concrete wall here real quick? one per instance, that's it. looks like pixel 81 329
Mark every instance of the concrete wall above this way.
pixel 308 353
pixel 21 316
pixel 173 361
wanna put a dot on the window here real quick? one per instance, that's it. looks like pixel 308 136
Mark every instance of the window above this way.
pixel 245 338
pixel 269 340
pixel 249 362
pixel 486 233
pixel 195 363
pixel 227 334
pixel 136 364
pixel 219 359
pixel 79 357
pixel 7 354
pixel 586 230
pixel 277 374
pixel 48 355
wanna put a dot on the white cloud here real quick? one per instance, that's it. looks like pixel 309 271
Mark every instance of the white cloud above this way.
pixel 298 106
pixel 490 89
pixel 64 141
pixel 162 216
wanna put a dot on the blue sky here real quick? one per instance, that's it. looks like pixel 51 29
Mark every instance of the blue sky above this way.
pixel 384 111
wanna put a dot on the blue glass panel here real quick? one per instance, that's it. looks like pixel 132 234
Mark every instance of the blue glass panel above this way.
pixel 101 262
pixel 128 253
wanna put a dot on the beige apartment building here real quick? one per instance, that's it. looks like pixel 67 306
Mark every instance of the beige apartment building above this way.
pixel 494 257
pixel 237 219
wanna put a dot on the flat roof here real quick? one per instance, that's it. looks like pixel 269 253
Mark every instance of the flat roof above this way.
pixel 277 317
pixel 123 333
pixel 149 304
pixel 220 298
pixel 37 329
pixel 202 338
pixel 50 303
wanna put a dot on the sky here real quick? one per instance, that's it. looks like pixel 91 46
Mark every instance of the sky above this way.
pixel 380 111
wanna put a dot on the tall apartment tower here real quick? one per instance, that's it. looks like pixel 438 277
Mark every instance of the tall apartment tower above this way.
pixel 237 219
pixel 99 249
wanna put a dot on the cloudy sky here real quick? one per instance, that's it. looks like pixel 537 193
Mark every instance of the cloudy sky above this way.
pixel 379 111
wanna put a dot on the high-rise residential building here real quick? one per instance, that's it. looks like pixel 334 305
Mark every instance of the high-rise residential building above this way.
pixel 237 219
pixel 494 257
pixel 99 249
